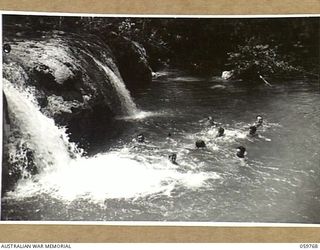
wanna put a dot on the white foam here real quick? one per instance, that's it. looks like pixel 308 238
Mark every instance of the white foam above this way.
pixel 109 175
pixel 48 141
pixel 140 115
pixel 117 174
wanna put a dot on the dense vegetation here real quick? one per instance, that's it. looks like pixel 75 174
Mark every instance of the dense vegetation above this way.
pixel 247 46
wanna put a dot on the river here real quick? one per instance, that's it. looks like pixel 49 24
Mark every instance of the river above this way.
pixel 124 180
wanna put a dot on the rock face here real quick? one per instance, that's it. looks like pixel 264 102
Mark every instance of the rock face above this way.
pixel 132 61
pixel 6 128
pixel 71 79
pixel 66 81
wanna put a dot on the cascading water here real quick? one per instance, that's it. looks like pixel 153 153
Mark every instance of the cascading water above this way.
pixel 65 174
pixel 127 104
pixel 57 66
pixel 55 88
pixel 45 86
pixel 36 130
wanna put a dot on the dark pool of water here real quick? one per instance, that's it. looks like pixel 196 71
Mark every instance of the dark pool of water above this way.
pixel 278 183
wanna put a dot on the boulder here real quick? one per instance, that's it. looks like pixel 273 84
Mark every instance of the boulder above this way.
pixel 73 80
pixel 226 75
pixel 132 61
pixel 67 83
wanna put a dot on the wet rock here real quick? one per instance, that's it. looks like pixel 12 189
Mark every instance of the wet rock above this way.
pixel 69 78
pixel 68 85
pixel 226 75
pixel 132 61
pixel 17 156
pixel 5 135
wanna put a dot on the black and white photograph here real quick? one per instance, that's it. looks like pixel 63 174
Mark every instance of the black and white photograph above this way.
pixel 118 118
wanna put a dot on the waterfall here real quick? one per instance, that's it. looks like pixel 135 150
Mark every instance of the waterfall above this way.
pixel 36 131
pixel 128 107
pixel 66 174
pixel 63 171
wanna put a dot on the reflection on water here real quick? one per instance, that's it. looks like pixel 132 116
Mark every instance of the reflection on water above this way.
pixel 136 181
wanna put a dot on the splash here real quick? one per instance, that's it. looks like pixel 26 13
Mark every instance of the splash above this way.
pixel 49 142
pixel 66 174
pixel 109 175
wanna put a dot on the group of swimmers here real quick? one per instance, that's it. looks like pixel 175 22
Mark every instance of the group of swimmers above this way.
pixel 241 151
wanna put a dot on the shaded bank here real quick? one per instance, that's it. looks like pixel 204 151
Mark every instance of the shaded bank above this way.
pixel 132 61
pixel 200 45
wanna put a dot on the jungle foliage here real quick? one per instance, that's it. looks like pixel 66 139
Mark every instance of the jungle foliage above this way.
pixel 247 46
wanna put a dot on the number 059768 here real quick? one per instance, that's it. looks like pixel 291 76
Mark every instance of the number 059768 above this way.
pixel 312 246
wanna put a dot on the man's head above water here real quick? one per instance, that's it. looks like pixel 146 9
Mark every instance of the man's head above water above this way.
pixel 259 119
